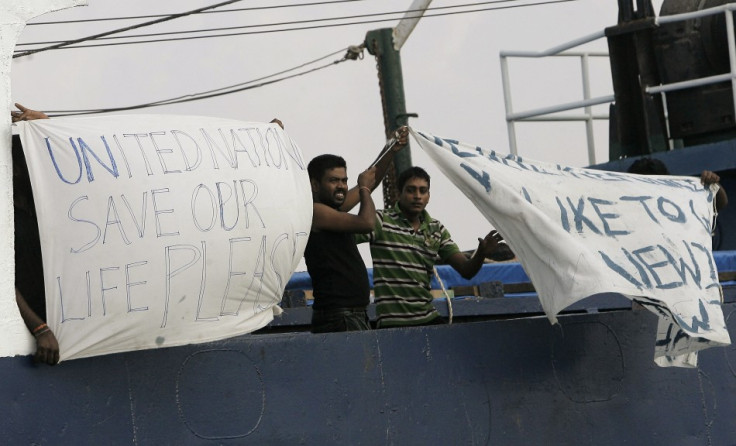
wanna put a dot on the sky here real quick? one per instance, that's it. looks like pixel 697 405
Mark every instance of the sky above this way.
pixel 451 70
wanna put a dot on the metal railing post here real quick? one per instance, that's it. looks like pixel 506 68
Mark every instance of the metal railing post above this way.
pixel 588 110
pixel 510 122
pixel 731 53
pixel 547 113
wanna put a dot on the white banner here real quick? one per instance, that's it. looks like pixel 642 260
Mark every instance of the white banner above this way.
pixel 159 231
pixel 580 232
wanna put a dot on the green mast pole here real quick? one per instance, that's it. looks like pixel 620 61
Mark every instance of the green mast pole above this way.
pixel 380 44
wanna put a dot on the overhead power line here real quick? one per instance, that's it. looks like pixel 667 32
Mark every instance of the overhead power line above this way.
pixel 242 86
pixel 262 81
pixel 140 25
pixel 254 8
pixel 293 22
pixel 300 28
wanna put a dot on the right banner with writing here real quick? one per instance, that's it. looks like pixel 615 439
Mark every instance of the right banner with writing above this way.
pixel 580 232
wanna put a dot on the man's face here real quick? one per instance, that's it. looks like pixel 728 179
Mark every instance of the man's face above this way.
pixel 332 188
pixel 414 196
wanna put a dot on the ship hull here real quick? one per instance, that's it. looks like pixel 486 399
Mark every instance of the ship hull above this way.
pixel 589 380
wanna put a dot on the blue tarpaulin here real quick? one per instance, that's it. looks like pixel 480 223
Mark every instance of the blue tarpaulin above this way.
pixel 506 272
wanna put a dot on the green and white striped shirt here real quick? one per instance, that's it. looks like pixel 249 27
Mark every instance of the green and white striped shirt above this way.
pixel 402 266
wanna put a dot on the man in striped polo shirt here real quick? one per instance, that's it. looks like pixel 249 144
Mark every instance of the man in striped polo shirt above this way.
pixel 405 245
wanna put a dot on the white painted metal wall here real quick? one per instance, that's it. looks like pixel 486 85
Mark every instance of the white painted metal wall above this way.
pixel 14 338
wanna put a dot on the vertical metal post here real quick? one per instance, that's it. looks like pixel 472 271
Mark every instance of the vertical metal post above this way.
pixel 584 59
pixel 510 124
pixel 379 43
pixel 731 53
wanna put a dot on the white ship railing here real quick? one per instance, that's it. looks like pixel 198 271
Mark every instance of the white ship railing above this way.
pixel 586 104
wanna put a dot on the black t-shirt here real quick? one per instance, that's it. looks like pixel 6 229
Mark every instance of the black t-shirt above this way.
pixel 28 261
pixel 339 277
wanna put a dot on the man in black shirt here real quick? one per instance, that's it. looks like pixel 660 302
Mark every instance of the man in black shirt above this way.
pixel 339 279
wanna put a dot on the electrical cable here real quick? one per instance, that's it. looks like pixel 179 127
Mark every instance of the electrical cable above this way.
pixel 293 22
pixel 210 93
pixel 254 8
pixel 310 27
pixel 140 25
pixel 247 85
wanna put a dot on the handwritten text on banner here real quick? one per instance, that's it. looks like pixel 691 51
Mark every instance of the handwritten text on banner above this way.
pixel 161 230
pixel 580 232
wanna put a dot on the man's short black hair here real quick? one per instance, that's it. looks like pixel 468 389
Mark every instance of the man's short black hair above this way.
pixel 412 172
pixel 322 163
pixel 648 166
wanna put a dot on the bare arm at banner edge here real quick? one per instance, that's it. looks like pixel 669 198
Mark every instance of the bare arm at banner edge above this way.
pixel 469 267
pixel 381 165
pixel 26 114
pixel 327 218
pixel 708 178
pixel 47 347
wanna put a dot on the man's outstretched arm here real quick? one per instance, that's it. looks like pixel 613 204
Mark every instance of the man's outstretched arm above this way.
pixel 353 196
pixel 47 347
pixel 469 267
